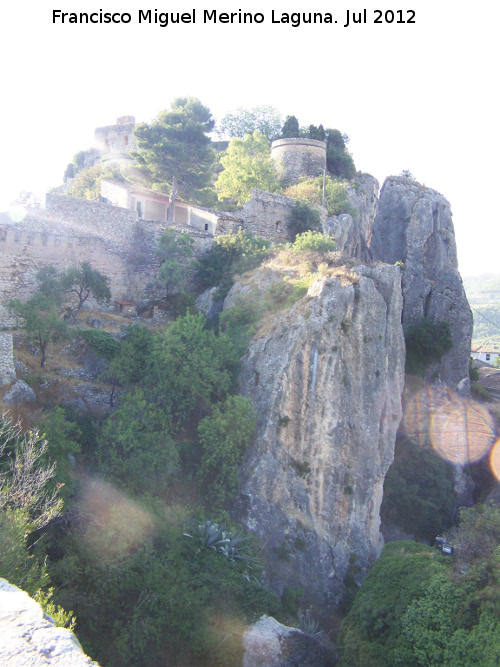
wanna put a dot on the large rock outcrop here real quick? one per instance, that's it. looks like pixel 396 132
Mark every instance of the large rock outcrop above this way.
pixel 29 638
pixel 352 231
pixel 414 226
pixel 325 378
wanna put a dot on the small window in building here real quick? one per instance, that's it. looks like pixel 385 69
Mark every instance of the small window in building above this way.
pixel 488 357
pixel 206 226
pixel 125 140
pixel 139 209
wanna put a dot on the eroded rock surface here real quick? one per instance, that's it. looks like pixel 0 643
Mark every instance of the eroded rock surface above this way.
pixel 20 392
pixel 268 643
pixel 353 232
pixel 414 226
pixel 325 378
pixel 29 638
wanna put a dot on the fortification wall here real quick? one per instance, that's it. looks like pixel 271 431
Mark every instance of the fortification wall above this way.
pixel 69 231
pixel 267 215
pixel 294 158
pixel 7 369
pixel 105 220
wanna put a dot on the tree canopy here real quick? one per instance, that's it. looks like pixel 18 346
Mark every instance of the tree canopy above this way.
pixel 247 164
pixel 174 251
pixel 265 119
pixel 290 128
pixel 83 281
pixel 175 152
pixel 42 322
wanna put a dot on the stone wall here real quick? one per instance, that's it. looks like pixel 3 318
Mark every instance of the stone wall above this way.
pixel 7 369
pixel 267 215
pixel 298 157
pixel 111 222
pixel 70 230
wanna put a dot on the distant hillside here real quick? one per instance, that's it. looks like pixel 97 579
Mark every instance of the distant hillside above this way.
pixel 483 293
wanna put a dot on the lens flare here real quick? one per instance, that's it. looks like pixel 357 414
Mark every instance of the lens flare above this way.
pixel 460 430
pixel 17 213
pixel 495 459
pixel 114 524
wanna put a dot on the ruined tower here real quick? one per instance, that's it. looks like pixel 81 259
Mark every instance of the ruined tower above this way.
pixel 298 157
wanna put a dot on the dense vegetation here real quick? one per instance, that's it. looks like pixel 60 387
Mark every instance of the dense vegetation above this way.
pixel 426 342
pixel 419 491
pixel 418 607
pixel 143 552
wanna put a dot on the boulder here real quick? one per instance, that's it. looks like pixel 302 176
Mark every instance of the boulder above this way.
pixel 268 643
pixel 20 392
pixel 207 304
pixel 29 638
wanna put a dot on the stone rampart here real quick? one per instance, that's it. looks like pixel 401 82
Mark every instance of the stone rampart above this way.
pixel 101 219
pixel 267 215
pixel 7 369
pixel 298 157
pixel 70 230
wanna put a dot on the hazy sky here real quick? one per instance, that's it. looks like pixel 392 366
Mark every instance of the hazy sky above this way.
pixel 419 96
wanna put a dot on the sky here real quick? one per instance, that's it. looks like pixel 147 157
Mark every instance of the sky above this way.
pixel 420 96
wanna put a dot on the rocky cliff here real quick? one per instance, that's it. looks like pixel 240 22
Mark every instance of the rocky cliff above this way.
pixel 353 231
pixel 325 378
pixel 29 638
pixel 414 226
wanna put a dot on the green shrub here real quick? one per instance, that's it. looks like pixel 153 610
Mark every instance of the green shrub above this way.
pixel 238 323
pixel 310 191
pixel 102 342
pixel 229 255
pixel 419 492
pixel 224 436
pixel 303 218
pixel 481 393
pixel 314 241
pixel 279 291
pixel 426 342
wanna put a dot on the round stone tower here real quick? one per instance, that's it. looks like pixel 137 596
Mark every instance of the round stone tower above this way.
pixel 294 158
pixel 116 141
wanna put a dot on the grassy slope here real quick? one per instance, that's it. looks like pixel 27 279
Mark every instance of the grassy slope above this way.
pixel 483 293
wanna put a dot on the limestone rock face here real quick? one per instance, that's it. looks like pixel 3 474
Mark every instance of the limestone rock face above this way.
pixel 207 304
pixel 414 226
pixel 325 378
pixel 353 232
pixel 268 643
pixel 20 392
pixel 29 638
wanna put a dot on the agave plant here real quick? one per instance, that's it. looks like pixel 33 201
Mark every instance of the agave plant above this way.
pixel 309 625
pixel 212 536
